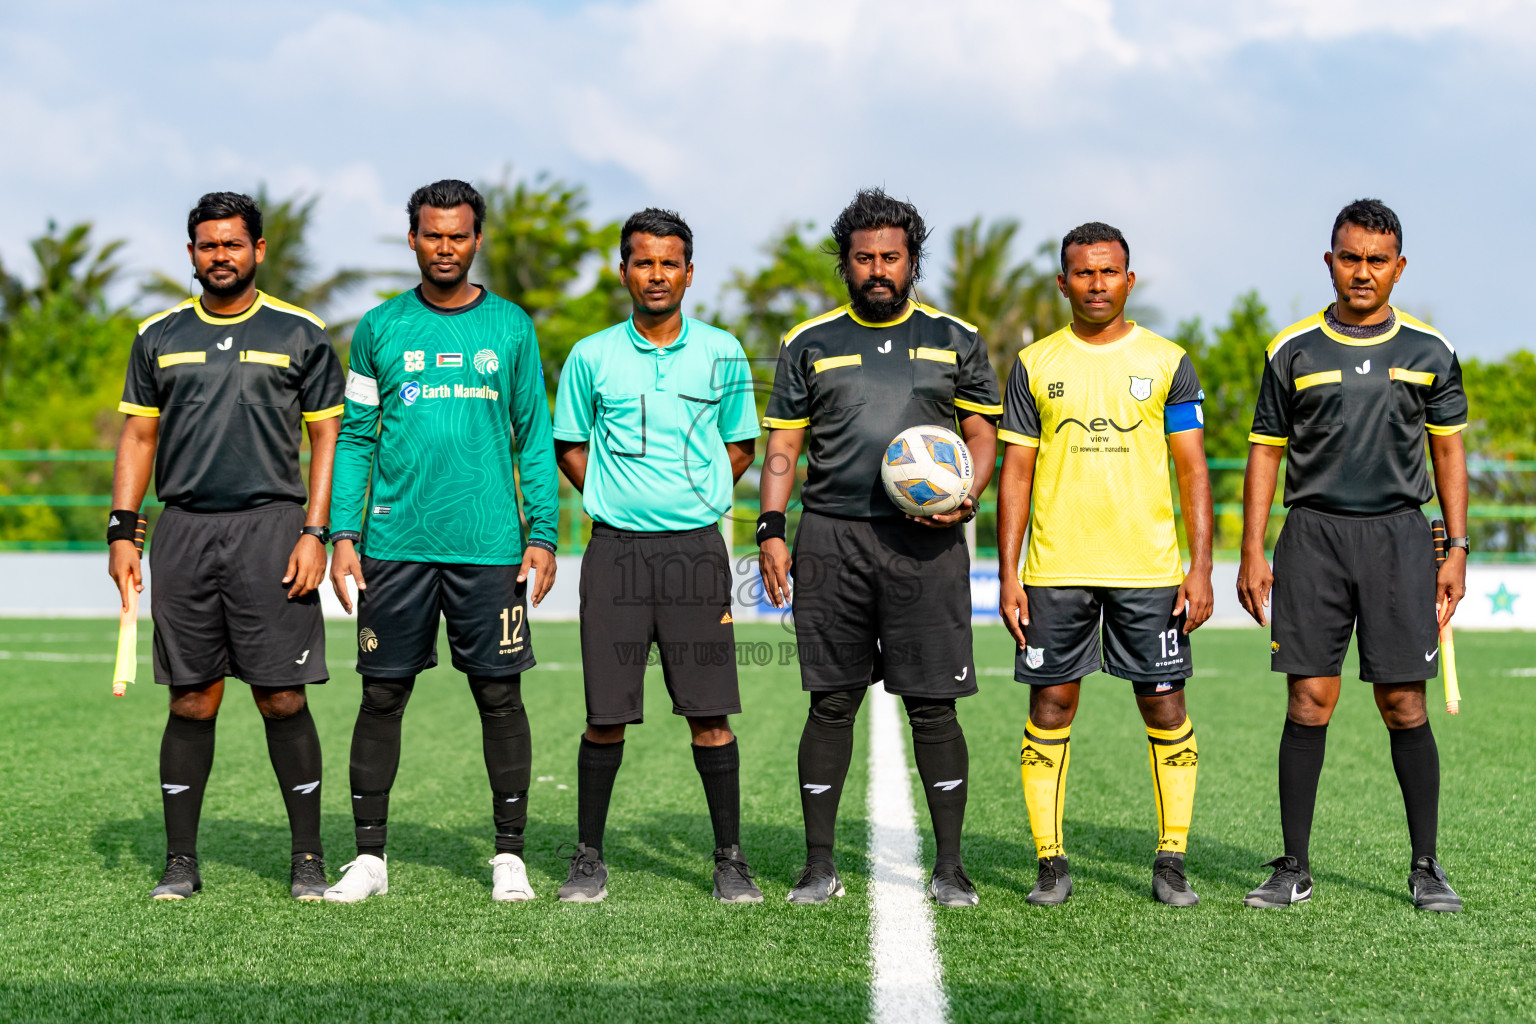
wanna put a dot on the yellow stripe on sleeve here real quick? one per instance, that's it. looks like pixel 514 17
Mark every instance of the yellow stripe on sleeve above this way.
pixel 985 410
pixel 324 414
pixel 1445 431
pixel 1411 376
pixel 1012 438
pixel 1273 442
pixel 177 358
pixel 1314 379
pixel 777 424
pixel 137 410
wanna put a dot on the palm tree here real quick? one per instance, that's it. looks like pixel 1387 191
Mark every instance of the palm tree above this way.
pixel 536 246
pixel 1012 304
pixel 287 271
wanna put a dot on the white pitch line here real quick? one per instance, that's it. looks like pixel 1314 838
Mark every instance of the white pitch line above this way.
pixel 908 982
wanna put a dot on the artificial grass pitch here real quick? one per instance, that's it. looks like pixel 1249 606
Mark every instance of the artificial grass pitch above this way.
pixel 80 810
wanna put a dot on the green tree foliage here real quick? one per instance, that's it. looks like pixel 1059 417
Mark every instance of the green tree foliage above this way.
pixel 1229 364
pixel 799 281
pixel 538 248
pixel 287 270
pixel 63 346
pixel 1013 304
pixel 1502 427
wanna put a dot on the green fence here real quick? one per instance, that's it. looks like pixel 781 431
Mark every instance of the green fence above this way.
pixel 575 527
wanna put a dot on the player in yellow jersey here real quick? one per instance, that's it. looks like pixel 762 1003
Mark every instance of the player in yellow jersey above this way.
pixel 1090 415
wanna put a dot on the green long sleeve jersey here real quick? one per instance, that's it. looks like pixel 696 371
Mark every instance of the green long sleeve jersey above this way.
pixel 441 405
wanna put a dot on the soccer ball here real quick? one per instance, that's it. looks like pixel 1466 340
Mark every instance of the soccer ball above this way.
pixel 927 470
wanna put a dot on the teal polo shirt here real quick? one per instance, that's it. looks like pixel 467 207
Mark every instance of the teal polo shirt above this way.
pixel 656 422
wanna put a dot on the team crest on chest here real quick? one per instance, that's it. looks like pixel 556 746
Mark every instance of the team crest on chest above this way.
pixel 1141 388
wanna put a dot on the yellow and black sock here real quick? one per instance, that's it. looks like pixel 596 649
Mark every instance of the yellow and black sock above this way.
pixel 1043 759
pixel 1175 758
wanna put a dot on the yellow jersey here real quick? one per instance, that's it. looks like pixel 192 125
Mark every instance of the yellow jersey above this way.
pixel 1099 414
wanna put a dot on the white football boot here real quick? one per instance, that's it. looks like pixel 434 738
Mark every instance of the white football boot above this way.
pixel 509 879
pixel 364 877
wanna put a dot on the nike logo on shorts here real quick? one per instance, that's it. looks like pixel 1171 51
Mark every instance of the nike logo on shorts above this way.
pixel 1430 655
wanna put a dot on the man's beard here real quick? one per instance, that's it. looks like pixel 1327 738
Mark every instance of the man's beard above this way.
pixel 451 281
pixel 879 311
pixel 236 285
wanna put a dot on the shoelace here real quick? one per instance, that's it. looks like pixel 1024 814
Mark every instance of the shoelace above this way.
pixel 583 861
pixel 738 866
pixel 181 867
pixel 959 876
pixel 1048 876
pixel 1176 881
pixel 811 873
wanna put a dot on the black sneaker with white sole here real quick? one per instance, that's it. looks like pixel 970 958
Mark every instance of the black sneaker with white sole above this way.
pixel 1168 882
pixel 180 879
pixel 307 877
pixel 588 878
pixel 1054 883
pixel 818 883
pixel 1430 889
pixel 1290 883
pixel 949 886
pixel 733 878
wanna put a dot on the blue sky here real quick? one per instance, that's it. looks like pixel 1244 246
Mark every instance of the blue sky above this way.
pixel 1221 137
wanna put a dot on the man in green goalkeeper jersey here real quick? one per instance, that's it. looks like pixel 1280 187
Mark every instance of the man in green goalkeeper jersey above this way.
pixel 445 386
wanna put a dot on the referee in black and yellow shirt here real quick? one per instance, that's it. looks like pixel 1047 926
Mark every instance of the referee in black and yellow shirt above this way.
pixel 218 389
pixel 1348 397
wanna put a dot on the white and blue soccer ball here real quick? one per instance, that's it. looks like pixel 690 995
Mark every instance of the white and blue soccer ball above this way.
pixel 927 470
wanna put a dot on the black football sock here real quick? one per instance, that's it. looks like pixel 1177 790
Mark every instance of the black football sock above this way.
pixel 186 758
pixel 944 764
pixel 294 747
pixel 597 765
pixel 1416 760
pixel 826 748
pixel 376 758
pixel 720 770
pixel 1301 765
pixel 508 747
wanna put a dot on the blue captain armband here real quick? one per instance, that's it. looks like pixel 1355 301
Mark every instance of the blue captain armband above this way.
pixel 1184 416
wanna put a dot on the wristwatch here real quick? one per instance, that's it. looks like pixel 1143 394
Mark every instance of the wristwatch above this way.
pixel 320 533
pixel 1464 543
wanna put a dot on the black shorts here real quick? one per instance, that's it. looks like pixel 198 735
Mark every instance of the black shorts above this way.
pixel 486 609
pixel 1130 632
pixel 670 588
pixel 220 605
pixel 1374 576
pixel 883 599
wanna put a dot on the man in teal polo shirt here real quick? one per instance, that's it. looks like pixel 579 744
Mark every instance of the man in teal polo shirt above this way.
pixel 654 423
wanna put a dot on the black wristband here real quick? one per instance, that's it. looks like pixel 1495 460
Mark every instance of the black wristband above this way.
pixel 351 535
pixel 320 533
pixel 771 526
pixel 544 544
pixel 123 524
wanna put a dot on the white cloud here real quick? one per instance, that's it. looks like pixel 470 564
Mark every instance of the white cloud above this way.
pixel 1180 121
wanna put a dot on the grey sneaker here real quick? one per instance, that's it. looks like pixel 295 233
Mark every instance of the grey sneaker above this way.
pixel 818 884
pixel 1054 883
pixel 588 880
pixel 307 877
pixel 1430 889
pixel 1168 882
pixel 950 887
pixel 733 879
pixel 180 879
pixel 1290 883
